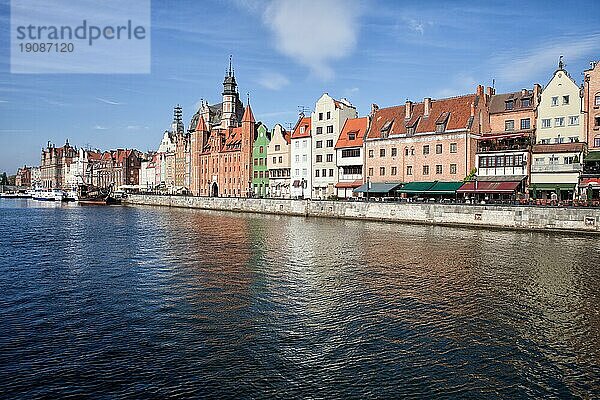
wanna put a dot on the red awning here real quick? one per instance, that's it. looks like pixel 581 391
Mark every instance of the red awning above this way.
pixel 589 181
pixel 489 187
pixel 349 185
pixel 296 183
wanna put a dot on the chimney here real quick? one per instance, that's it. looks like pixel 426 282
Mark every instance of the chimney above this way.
pixel 523 92
pixel 490 91
pixel 537 91
pixel 479 90
pixel 426 106
pixel 473 109
pixel 374 108
pixel 408 109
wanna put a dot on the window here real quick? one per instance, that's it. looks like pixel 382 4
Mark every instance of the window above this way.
pixel 438 149
pixel 438 169
pixel 553 160
pixel 596 142
pixel 525 102
pixel 453 169
pixel 410 130
pixel 260 175
pixel 453 147
pixel 319 144
pixel 331 172
pixel 394 170
pixel 394 152
pixel 303 157
pixel 324 171
pixel 256 161
pixel 320 116
pixel 499 161
pixel 546 123
pixel 568 160
pixel 319 130
pixel 559 140
pixel 329 157
pixel 510 105
pixel 439 128
pixel 425 169
pixel 302 129
pixel 330 143
pixel 597 122
pixel 565 100
pixel 297 158
pixel 555 101
pixel 426 149
pixel 319 158
pixel 328 114
pixel 406 151
pixel 525 123
pixel 560 121
pixel 597 100
pixel 573 139
pixel 351 153
pixel 274 160
pixel 255 175
pixel 317 173
pixel 261 149
pixel 297 144
pixel 371 155
pixel 574 120
pixel 304 143
pixel 409 170
pixel 412 151
pixel 509 125
pixel 540 161
pixel 381 152
pixel 280 159
pixel 329 128
pixel 297 172
pixel 351 136
pixel 545 141
pixel 277 147
pixel 370 171
pixel 304 172
pixel 260 161
pixel 382 171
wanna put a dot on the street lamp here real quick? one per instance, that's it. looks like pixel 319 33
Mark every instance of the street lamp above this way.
pixel 368 186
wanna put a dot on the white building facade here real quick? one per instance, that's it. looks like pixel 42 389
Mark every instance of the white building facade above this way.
pixel 278 163
pixel 326 124
pixel 301 159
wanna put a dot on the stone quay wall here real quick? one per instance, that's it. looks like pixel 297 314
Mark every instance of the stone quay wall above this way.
pixel 483 216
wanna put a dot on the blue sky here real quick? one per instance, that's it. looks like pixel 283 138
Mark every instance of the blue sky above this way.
pixel 286 54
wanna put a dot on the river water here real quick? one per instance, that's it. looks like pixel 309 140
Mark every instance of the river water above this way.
pixel 142 302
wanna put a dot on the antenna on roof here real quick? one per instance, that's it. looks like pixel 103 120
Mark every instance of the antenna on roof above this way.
pixel 290 125
pixel 493 83
pixel 302 110
pixel 248 95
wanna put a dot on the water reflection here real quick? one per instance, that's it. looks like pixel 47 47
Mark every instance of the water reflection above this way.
pixel 154 302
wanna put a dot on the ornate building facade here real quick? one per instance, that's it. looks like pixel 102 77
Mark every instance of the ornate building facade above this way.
pixel 54 164
pixel 221 140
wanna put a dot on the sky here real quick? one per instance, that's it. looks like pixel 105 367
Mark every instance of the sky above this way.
pixel 286 54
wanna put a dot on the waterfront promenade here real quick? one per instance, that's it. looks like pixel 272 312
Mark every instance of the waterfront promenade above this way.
pixel 568 219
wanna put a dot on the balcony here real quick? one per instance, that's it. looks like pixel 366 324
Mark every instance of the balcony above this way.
pixel 575 167
pixel 491 144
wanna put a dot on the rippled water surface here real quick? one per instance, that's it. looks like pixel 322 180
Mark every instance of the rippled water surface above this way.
pixel 124 302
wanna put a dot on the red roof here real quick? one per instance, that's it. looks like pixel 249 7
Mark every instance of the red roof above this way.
pixel 304 122
pixel 489 187
pixel 356 126
pixel 248 115
pixel 94 155
pixel 233 141
pixel 557 148
pixel 455 111
pixel 201 126
pixel 349 185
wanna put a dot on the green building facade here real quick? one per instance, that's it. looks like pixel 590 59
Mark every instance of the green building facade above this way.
pixel 260 172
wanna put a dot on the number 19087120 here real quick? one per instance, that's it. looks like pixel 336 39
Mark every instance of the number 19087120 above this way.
pixel 49 47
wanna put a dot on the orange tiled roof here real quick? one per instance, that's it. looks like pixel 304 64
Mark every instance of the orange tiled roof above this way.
pixel 455 111
pixel 358 126
pixel 558 147
pixel 304 122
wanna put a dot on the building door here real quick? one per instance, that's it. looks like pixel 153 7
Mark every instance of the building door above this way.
pixel 214 190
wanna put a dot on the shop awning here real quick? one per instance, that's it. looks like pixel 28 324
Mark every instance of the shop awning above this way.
pixel 297 183
pixel 444 187
pixel 348 185
pixel 378 187
pixel 489 187
pixel 592 156
pixel 416 187
pixel 552 186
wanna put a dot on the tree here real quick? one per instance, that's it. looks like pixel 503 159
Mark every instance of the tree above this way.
pixel 471 175
pixel 12 180
pixel 3 179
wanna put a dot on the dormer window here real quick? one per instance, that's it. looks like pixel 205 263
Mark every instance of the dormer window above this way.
pixel 510 104
pixel 302 129
pixel 385 129
pixel 526 103
pixel 410 130
pixel 440 127
pixel 351 136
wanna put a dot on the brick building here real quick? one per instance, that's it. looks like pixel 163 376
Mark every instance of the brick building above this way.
pixel 350 156
pixel 117 168
pixel 221 145
pixel 23 177
pixel 435 140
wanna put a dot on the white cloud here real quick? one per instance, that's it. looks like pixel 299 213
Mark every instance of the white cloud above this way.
pixel 3 101
pixel 273 80
pixel 459 85
pixel 136 127
pixel 100 128
pixel 533 63
pixel 415 25
pixel 314 33
pixel 106 101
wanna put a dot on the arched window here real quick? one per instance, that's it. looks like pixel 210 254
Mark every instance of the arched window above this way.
pixel 597 100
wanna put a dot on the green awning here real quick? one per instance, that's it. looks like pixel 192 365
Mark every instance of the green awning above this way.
pixel 592 156
pixel 445 187
pixel 378 187
pixel 416 187
pixel 552 186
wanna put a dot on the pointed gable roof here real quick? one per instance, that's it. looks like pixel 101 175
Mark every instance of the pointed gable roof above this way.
pixel 201 126
pixel 248 115
pixel 298 132
pixel 355 126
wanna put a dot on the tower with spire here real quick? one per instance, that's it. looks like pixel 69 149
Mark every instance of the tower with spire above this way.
pixel 230 98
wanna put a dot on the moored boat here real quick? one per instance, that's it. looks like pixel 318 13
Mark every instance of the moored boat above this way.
pixel 49 195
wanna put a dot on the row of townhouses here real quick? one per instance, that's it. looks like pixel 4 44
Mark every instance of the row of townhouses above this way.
pixel 537 142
